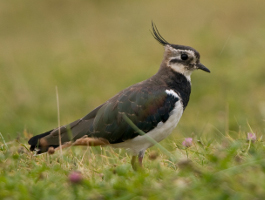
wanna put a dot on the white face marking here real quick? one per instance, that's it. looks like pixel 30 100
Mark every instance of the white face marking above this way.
pixel 181 69
pixel 172 53
pixel 178 52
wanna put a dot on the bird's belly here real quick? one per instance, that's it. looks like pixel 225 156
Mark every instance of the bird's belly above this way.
pixel 159 133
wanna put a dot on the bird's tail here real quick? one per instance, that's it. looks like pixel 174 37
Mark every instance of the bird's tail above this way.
pixel 78 132
pixel 42 142
pixel 35 144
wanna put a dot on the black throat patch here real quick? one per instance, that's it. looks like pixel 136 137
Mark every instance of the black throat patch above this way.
pixel 177 82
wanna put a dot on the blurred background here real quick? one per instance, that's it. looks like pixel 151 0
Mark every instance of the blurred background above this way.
pixel 91 50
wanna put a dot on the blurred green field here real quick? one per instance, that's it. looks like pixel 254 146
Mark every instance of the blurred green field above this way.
pixel 91 50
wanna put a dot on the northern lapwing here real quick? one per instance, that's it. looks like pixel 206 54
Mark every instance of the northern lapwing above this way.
pixel 155 106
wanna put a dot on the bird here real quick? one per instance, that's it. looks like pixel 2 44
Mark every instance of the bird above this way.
pixel 154 106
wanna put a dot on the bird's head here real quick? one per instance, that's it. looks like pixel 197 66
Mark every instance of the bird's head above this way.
pixel 182 59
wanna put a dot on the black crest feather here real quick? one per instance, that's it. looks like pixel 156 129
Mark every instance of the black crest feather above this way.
pixel 157 35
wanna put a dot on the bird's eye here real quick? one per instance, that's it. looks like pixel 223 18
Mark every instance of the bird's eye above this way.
pixel 184 56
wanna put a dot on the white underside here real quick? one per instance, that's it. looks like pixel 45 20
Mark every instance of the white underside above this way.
pixel 141 143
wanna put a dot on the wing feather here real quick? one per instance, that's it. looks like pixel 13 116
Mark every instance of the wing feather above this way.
pixel 145 107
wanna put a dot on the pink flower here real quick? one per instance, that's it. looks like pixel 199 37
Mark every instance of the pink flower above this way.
pixel 75 177
pixel 187 142
pixel 252 137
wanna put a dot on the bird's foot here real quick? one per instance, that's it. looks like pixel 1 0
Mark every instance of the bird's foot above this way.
pixel 137 164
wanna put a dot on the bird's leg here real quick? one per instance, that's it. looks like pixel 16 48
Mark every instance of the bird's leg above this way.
pixel 134 163
pixel 140 158
pixel 137 164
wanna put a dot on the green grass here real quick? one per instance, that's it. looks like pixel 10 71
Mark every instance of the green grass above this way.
pixel 91 50
pixel 231 169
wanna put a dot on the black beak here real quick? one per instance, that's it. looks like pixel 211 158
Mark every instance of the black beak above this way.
pixel 202 67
